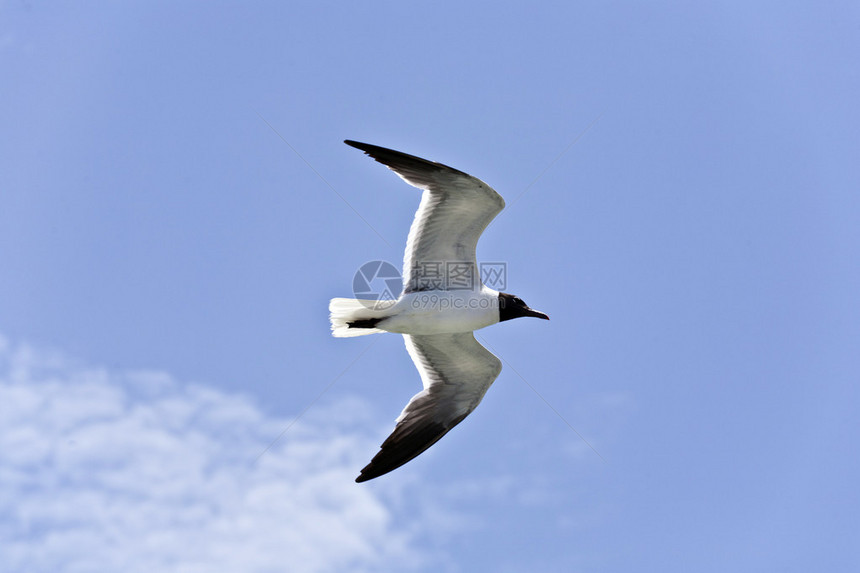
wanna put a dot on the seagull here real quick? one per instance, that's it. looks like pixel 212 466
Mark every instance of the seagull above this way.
pixel 438 310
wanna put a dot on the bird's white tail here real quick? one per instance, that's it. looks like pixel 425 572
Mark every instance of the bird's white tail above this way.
pixel 353 317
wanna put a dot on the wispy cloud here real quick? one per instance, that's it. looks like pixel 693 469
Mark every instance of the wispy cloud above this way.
pixel 134 471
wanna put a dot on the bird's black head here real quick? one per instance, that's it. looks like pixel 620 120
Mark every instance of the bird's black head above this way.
pixel 511 306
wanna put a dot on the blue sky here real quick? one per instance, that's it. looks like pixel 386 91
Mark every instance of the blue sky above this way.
pixel 171 232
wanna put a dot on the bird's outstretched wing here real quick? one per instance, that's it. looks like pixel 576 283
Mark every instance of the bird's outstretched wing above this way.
pixel 456 371
pixel 455 209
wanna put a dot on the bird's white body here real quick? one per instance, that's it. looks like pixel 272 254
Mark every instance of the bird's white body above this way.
pixel 443 311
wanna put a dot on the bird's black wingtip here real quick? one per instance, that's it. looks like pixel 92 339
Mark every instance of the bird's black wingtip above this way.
pixel 401 162
pixel 371 471
pixel 356 144
pixel 367 474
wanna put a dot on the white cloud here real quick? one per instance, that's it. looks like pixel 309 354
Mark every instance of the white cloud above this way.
pixel 106 471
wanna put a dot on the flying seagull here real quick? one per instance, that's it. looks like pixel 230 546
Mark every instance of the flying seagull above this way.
pixel 439 307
